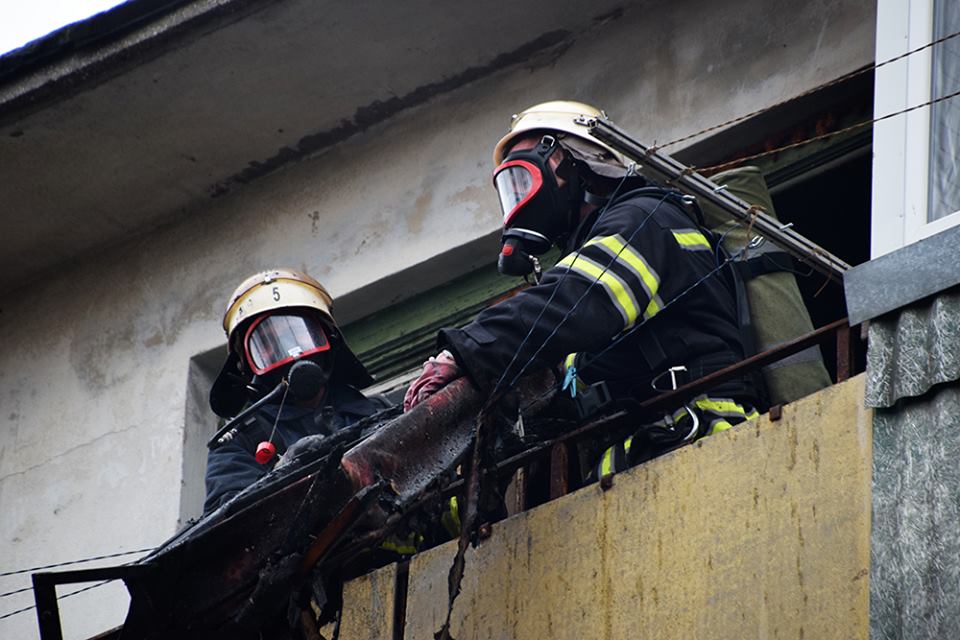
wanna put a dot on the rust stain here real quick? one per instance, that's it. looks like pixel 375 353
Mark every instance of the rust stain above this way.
pixel 479 198
pixel 793 448
pixel 154 341
pixel 87 361
pixel 421 207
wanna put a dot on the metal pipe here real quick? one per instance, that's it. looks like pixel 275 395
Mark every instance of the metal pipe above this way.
pixel 664 167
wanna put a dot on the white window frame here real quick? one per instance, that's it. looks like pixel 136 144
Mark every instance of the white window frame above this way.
pixel 901 144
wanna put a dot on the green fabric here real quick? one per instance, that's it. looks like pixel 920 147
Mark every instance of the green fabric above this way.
pixel 776 306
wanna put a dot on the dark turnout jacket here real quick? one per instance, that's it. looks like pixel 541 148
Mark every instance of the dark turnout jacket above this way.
pixel 232 467
pixel 639 293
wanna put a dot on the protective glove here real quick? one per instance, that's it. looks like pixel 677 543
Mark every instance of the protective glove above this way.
pixel 438 372
pixel 300 447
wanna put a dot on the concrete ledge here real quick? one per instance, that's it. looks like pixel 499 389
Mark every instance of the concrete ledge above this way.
pixel 902 277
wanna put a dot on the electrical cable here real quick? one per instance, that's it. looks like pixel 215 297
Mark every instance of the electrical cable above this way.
pixel 825 85
pixel 66 595
pixel 70 562
pixel 860 125
pixel 13 613
pixel 624 335
pixel 636 327
pixel 630 173
pixel 722 166
pixel 583 295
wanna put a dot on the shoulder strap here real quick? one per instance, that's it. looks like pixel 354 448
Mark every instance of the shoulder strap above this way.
pixel 763 263
pixel 687 203
pixel 745 323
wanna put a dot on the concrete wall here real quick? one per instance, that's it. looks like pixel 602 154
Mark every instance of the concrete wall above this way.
pixel 94 361
pixel 762 531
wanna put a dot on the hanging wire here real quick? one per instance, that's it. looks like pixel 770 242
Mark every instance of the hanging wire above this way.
pixel 13 613
pixel 583 295
pixel 66 595
pixel 835 81
pixel 497 387
pixel 70 562
pixel 283 399
pixel 720 167
pixel 854 127
pixel 623 336
pixel 636 327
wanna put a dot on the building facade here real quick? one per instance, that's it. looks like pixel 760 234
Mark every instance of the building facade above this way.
pixel 155 156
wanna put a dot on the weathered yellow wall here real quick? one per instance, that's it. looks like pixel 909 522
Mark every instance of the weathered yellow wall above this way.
pixel 370 612
pixel 759 532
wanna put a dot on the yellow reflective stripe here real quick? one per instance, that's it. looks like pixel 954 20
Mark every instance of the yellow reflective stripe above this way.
pixel 753 414
pixel 451 517
pixel 403 547
pixel 634 262
pixel 627 443
pixel 719 425
pixel 619 293
pixel 691 240
pixel 455 510
pixel 721 406
pixel 569 361
pixel 679 414
pixel 606 463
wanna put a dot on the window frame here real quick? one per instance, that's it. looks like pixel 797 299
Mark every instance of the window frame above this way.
pixel 902 144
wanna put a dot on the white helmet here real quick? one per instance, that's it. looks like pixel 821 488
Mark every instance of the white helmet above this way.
pixel 568 121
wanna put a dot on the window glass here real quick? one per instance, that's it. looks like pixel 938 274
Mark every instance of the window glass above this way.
pixel 945 116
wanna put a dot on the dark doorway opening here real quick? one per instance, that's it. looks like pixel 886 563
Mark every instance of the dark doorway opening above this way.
pixel 832 208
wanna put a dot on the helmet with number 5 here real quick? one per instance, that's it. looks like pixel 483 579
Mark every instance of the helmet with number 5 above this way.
pixel 272 319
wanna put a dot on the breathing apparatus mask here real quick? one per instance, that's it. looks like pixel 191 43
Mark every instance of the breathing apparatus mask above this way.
pixel 272 343
pixel 275 321
pixel 537 211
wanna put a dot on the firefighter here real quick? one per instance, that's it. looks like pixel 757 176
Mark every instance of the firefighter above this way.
pixel 274 319
pixel 638 305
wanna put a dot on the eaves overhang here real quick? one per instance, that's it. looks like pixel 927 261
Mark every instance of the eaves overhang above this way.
pixel 143 115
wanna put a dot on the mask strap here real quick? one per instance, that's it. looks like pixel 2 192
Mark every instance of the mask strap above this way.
pixel 548 146
pixel 567 169
pixel 595 199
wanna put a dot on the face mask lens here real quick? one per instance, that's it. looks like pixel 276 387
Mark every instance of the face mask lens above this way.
pixel 516 182
pixel 276 340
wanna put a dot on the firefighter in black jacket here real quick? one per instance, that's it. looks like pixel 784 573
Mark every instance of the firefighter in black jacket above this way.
pixel 640 302
pixel 273 319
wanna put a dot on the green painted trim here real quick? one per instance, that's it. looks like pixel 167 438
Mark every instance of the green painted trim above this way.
pixel 399 338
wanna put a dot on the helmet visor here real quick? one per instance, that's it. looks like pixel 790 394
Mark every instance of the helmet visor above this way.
pixel 516 181
pixel 275 340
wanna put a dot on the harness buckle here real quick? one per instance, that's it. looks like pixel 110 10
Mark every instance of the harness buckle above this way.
pixel 592 400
